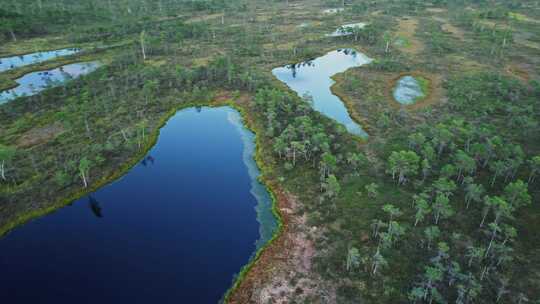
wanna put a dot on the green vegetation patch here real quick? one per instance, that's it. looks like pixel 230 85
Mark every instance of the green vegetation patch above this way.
pixel 407 216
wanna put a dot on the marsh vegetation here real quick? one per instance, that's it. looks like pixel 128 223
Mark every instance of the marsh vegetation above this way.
pixel 439 204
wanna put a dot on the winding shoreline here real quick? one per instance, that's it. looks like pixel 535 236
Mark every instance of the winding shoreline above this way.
pixel 264 262
pixel 271 186
pixel 11 75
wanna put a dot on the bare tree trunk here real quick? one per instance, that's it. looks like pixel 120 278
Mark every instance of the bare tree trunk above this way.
pixel 124 135
pixel 83 176
pixel 490 244
pixel 87 127
pixel 2 170
pixel 142 45
pixel 13 35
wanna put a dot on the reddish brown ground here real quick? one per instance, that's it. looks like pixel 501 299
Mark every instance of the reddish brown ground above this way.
pixel 435 95
pixel 40 135
pixel 519 70
pixel 407 29
pixel 284 270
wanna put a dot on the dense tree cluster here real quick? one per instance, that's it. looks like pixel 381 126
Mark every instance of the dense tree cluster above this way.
pixel 457 157
pixel 471 183
pixel 302 136
pixel 98 19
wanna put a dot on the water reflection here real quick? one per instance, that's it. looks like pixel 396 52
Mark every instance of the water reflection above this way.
pixel 293 67
pixel 8 63
pixel 149 160
pixel 95 206
pixel 177 233
pixel 265 216
pixel 347 29
pixel 35 82
pixel 408 90
pixel 313 78
pixel 333 10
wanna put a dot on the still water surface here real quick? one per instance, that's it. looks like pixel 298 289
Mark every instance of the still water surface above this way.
pixel 175 229
pixel 8 63
pixel 35 82
pixel 347 29
pixel 313 78
pixel 408 90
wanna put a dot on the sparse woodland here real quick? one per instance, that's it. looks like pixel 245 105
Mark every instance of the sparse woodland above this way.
pixel 440 205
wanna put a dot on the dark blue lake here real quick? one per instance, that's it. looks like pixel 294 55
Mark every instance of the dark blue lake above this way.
pixel 175 229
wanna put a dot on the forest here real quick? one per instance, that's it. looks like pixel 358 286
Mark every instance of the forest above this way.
pixel 438 204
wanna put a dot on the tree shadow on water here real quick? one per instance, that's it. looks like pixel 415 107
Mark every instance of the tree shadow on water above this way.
pixel 95 206
pixel 149 160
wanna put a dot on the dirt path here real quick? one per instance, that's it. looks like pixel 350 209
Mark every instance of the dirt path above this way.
pixel 407 29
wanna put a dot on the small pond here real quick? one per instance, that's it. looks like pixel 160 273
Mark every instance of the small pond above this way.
pixel 175 229
pixel 344 30
pixel 408 90
pixel 35 82
pixel 8 63
pixel 333 10
pixel 313 78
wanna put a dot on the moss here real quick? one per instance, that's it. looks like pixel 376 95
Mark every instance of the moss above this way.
pixel 425 86
pixel 338 90
pixel 7 83
pixel 430 85
pixel 402 41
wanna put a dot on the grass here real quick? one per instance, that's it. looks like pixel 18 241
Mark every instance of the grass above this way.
pixel 7 83
pixel 338 90
pixel 522 18
pixel 402 41
pixel 425 87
